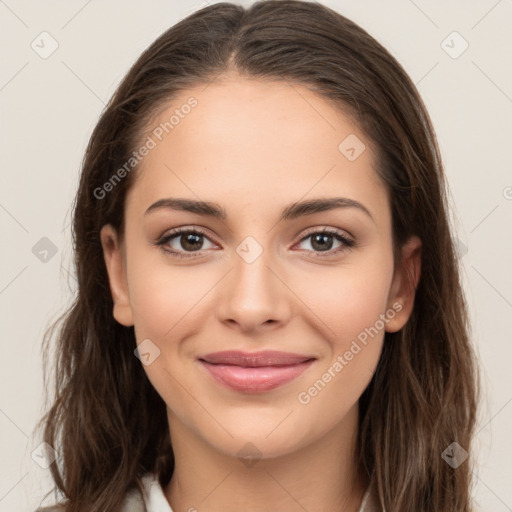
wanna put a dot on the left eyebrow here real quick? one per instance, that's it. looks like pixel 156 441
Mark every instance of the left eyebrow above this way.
pixel 292 211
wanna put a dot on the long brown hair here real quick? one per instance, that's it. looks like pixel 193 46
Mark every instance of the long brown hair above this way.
pixel 108 423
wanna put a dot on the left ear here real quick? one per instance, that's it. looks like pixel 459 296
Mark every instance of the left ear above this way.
pixel 404 284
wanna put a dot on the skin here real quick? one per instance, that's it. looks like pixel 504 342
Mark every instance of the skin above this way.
pixel 254 147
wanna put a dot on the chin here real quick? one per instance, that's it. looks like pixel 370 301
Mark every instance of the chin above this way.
pixel 252 439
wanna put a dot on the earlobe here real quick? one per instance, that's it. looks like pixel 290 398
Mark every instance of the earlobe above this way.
pixel 114 261
pixel 405 282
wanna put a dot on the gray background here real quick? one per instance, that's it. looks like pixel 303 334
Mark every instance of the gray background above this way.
pixel 50 105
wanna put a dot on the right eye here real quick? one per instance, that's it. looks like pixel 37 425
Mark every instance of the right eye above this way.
pixel 181 241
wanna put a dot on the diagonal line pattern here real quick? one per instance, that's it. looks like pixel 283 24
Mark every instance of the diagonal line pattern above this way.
pixel 427 73
pixel 494 416
pixel 14 218
pixel 13 13
pixel 13 279
pixel 493 287
pixel 76 14
pixel 14 76
pixel 13 423
pixel 286 491
pixel 492 81
pixel 424 13
pixel 17 483
pixel 279 423
pixel 83 82
pixel 216 487
pixel 486 14
pixel 494 493
pixel 485 218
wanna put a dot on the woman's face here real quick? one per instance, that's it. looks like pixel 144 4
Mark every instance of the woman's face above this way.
pixel 262 276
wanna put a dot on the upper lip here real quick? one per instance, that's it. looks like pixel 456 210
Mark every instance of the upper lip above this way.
pixel 255 359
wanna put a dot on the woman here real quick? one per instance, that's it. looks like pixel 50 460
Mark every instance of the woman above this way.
pixel 269 311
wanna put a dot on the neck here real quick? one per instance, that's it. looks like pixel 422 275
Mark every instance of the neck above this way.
pixel 322 476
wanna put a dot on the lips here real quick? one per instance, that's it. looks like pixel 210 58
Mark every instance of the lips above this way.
pixel 255 372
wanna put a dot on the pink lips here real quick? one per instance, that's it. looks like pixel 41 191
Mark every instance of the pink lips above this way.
pixel 257 371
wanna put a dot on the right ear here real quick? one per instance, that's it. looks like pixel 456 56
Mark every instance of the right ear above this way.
pixel 115 263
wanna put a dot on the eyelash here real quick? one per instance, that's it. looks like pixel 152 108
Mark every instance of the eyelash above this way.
pixel 347 242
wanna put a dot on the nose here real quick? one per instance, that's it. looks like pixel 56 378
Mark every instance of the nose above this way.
pixel 254 297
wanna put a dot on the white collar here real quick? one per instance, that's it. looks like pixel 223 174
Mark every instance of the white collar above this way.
pixel 156 501
pixel 154 498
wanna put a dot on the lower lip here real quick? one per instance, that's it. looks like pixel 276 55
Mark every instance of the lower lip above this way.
pixel 255 380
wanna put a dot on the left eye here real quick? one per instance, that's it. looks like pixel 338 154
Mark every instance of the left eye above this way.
pixel 322 241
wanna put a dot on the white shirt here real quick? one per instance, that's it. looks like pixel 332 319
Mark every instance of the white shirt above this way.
pixel 155 500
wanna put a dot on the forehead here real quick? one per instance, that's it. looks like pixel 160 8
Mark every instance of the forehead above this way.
pixel 260 140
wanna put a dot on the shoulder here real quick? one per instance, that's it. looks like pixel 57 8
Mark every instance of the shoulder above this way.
pixel 133 502
pixel 151 498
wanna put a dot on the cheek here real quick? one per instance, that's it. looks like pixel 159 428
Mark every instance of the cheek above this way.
pixel 163 297
pixel 348 299
pixel 350 307
pixel 354 337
